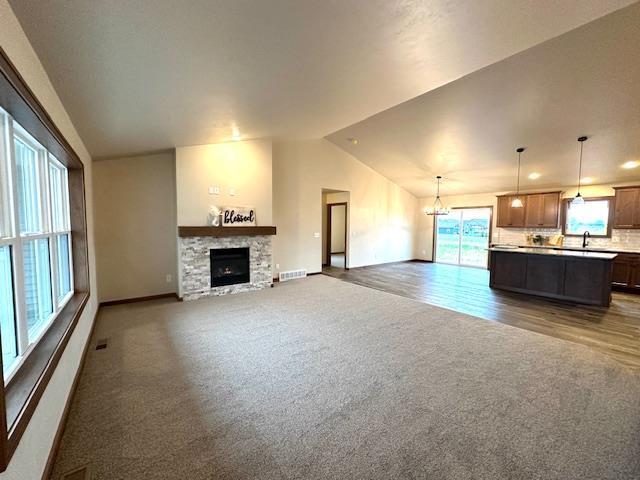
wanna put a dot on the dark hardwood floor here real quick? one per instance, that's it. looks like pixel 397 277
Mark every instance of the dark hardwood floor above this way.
pixel 614 331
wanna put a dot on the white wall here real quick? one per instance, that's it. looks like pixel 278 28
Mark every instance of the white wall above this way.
pixel 517 235
pixel 245 166
pixel 29 459
pixel 381 216
pixel 135 211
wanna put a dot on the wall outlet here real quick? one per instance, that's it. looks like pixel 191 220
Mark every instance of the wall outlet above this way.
pixel 168 278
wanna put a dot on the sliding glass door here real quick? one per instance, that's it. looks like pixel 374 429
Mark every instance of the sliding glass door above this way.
pixel 462 237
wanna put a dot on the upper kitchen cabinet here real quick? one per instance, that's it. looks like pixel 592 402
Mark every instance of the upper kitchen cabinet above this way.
pixel 509 216
pixel 627 210
pixel 542 210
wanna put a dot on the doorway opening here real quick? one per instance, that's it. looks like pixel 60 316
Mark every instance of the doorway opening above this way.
pixel 335 229
pixel 462 236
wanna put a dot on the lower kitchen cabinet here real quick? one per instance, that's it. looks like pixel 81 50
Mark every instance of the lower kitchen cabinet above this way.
pixel 626 272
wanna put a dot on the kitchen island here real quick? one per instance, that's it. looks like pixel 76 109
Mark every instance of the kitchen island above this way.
pixel 575 276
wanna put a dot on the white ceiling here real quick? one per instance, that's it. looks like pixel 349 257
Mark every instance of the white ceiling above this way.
pixel 147 75
pixel 585 82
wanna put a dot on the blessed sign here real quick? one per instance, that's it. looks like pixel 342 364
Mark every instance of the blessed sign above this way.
pixel 238 216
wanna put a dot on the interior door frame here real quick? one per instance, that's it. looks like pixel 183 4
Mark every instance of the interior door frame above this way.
pixel 435 234
pixel 328 239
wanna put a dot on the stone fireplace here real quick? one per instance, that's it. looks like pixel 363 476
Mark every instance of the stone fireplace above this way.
pixel 223 260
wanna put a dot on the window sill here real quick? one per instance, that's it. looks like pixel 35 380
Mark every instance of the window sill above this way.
pixel 24 390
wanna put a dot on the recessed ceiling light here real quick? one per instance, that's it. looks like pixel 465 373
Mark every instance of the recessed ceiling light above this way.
pixel 631 164
pixel 586 180
pixel 354 141
pixel 534 176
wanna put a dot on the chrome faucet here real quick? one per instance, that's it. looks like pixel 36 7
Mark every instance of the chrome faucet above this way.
pixel 585 235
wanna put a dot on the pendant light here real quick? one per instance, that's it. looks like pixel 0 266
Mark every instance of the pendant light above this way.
pixel 517 202
pixel 578 199
pixel 438 208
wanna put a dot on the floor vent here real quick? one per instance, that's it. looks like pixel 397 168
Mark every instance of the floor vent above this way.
pixel 101 344
pixel 292 274
pixel 77 474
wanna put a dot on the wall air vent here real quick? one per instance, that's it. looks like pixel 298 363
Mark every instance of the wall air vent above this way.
pixel 292 274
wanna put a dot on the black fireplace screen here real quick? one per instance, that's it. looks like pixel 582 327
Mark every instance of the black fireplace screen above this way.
pixel 229 266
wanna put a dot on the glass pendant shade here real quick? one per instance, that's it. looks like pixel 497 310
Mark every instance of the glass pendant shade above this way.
pixel 438 208
pixel 517 203
pixel 578 200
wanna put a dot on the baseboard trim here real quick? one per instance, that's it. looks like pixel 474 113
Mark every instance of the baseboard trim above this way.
pixel 57 439
pixel 419 260
pixel 140 299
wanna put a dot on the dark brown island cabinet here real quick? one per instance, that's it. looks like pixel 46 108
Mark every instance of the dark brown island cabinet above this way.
pixel 577 277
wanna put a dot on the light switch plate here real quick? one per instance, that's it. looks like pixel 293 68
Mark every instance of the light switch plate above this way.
pixel 316 234
pixel 214 190
pixel 232 191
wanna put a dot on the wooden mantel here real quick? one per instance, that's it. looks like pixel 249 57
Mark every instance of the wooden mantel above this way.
pixel 224 231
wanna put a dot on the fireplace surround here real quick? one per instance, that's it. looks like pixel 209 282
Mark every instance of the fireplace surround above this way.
pixel 200 248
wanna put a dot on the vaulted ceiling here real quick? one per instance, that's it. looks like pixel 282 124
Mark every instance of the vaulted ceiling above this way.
pixel 147 75
pixel 585 82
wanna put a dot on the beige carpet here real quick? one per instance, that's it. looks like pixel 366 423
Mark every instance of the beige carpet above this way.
pixel 322 379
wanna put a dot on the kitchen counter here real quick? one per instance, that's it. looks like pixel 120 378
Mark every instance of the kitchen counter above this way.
pixel 573 276
pixel 580 249
pixel 557 252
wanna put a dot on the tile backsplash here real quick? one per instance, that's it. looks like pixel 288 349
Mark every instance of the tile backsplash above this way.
pixel 624 239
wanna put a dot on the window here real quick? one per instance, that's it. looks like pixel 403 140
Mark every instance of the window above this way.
pixel 36 277
pixel 7 311
pixel 592 216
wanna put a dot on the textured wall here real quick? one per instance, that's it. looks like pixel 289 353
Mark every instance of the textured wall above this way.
pixel 245 167
pixel 135 208
pixel 381 216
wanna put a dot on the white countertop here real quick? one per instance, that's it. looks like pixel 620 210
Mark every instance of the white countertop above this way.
pixel 557 253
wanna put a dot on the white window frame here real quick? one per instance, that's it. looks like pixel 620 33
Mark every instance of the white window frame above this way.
pixel 16 240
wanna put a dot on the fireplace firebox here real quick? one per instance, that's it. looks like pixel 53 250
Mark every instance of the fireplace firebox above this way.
pixel 229 266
